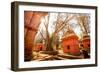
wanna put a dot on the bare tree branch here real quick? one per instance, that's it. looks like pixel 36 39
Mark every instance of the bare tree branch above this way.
pixel 42 36
pixel 82 21
pixel 67 19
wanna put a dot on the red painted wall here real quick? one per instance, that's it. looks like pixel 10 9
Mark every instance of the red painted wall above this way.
pixel 86 44
pixel 73 43
pixel 39 47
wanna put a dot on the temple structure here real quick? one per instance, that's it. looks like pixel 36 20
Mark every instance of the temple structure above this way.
pixel 70 43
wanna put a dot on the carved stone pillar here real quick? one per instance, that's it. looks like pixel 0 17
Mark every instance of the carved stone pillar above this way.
pixel 31 24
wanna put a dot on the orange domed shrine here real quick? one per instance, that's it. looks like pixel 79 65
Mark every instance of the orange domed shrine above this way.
pixel 86 42
pixel 70 43
pixel 39 47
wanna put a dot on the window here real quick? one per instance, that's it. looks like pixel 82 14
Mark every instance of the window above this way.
pixel 68 47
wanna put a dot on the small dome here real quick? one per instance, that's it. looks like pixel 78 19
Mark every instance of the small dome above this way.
pixel 86 36
pixel 70 33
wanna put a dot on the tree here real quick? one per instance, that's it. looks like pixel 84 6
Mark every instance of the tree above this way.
pixel 83 21
pixel 61 23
